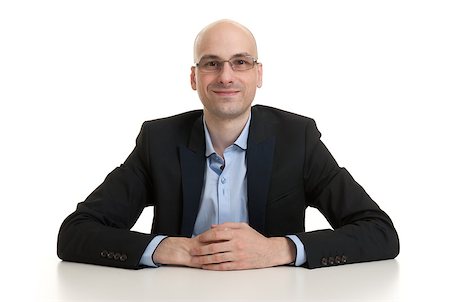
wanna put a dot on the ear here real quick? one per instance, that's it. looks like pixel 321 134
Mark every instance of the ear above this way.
pixel 193 79
pixel 260 74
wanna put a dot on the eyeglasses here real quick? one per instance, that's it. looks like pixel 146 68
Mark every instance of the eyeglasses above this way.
pixel 237 63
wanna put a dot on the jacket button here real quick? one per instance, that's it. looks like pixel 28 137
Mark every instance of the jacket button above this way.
pixel 331 260
pixel 104 254
pixel 344 259
pixel 338 260
pixel 324 261
pixel 123 257
pixel 116 256
pixel 110 255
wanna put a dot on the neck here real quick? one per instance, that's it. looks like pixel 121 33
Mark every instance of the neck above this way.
pixel 224 132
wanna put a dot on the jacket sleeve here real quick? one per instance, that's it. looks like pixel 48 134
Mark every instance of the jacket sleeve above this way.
pixel 98 232
pixel 361 230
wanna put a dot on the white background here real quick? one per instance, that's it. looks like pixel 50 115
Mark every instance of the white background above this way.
pixel 78 78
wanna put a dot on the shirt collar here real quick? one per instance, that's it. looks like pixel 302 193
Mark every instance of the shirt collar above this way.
pixel 241 141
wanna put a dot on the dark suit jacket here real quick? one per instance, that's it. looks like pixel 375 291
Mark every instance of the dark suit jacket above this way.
pixel 288 169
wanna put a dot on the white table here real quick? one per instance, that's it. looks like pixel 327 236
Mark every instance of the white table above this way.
pixel 64 281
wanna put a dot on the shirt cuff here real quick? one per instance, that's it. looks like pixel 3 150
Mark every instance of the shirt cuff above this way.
pixel 147 257
pixel 301 255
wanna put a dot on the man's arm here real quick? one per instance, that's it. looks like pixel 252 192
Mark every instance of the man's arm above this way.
pixel 98 232
pixel 361 230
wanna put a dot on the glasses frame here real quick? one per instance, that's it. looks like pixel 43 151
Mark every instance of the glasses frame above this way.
pixel 222 63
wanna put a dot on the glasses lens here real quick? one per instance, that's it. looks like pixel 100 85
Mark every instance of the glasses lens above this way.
pixel 242 63
pixel 209 65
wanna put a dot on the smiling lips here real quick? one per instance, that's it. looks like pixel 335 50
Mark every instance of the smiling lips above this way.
pixel 226 92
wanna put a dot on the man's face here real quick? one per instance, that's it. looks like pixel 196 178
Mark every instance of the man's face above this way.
pixel 226 94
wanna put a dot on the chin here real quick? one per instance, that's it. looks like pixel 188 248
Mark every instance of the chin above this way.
pixel 230 113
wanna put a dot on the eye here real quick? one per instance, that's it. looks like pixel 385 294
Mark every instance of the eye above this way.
pixel 210 64
pixel 240 61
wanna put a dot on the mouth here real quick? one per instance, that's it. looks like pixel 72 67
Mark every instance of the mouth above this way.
pixel 226 92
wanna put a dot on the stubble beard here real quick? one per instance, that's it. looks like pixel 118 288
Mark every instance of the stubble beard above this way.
pixel 228 111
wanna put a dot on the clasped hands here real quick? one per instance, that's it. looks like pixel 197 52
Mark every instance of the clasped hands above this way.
pixel 227 246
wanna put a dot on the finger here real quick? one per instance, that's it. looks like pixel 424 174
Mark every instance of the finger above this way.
pixel 224 266
pixel 230 225
pixel 210 249
pixel 212 259
pixel 215 235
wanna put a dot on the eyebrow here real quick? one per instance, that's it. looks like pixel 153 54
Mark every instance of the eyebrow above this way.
pixel 241 54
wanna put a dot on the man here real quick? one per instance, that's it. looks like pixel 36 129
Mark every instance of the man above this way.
pixel 229 184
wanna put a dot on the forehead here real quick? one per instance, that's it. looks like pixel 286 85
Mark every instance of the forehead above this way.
pixel 224 40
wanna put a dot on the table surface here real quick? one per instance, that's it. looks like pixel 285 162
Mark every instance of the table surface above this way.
pixel 65 281
pixel 49 279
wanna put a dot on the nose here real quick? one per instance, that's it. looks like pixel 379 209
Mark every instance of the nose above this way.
pixel 225 75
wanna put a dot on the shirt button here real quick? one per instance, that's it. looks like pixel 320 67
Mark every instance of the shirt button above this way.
pixel 223 180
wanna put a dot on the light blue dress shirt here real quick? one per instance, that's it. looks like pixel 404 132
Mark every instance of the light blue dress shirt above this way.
pixel 224 193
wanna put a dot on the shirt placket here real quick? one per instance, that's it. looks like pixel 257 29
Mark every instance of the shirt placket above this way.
pixel 223 189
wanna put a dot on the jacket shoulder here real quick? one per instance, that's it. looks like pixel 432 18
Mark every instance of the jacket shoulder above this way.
pixel 171 130
pixel 279 116
pixel 175 120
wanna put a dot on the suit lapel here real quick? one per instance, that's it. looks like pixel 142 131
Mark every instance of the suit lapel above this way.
pixel 260 152
pixel 192 160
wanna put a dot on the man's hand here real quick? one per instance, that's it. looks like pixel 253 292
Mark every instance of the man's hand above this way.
pixel 228 246
pixel 176 251
pixel 235 246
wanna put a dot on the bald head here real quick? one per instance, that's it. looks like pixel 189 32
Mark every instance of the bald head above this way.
pixel 224 36
pixel 226 93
